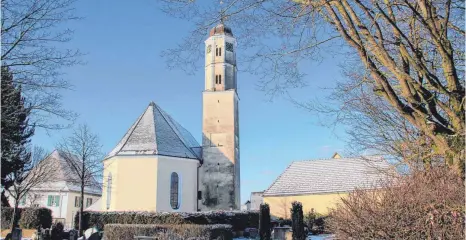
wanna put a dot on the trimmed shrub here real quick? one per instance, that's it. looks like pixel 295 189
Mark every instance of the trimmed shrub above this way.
pixel 33 217
pixel 168 232
pixel 239 220
pixel 30 218
pixel 297 221
pixel 264 222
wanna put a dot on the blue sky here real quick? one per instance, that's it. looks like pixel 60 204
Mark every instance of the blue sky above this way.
pixel 124 72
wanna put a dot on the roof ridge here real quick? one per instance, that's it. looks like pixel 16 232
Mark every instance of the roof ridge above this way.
pixel 135 126
pixel 129 135
pixel 175 130
pixel 339 159
pixel 152 104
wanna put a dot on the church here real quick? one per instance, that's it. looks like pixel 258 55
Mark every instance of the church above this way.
pixel 159 166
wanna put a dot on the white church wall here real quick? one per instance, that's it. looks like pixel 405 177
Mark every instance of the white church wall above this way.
pixel 187 172
pixel 134 183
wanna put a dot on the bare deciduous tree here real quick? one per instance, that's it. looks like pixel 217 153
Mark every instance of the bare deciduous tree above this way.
pixel 34 174
pixel 373 125
pixel 32 34
pixel 83 155
pixel 285 207
pixel 33 199
pixel 411 50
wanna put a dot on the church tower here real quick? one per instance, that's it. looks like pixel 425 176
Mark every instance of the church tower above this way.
pixel 219 175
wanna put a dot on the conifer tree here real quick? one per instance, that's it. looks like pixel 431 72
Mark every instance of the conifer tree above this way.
pixel 297 221
pixel 264 222
pixel 15 130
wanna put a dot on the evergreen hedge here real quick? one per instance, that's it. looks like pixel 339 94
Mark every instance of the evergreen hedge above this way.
pixel 168 232
pixel 30 218
pixel 239 220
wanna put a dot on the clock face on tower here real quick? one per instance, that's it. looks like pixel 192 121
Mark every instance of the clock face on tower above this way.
pixel 229 47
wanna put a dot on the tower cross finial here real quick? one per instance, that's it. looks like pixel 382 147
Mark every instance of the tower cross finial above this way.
pixel 222 14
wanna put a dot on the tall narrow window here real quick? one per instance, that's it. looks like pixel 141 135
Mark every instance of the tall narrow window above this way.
pixel 216 79
pixel 174 191
pixel 88 202
pixel 77 201
pixel 216 51
pixel 220 51
pixel 219 79
pixel 109 190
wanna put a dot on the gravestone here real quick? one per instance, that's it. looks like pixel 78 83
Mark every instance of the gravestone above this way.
pixel 280 232
pixel 73 234
pixel 17 234
pixel 46 234
pixel 251 232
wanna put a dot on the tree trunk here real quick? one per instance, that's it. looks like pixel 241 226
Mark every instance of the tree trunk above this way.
pixel 81 209
pixel 14 222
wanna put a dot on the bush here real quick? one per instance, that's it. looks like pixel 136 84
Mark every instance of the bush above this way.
pixel 422 205
pixel 315 222
pixel 297 221
pixel 33 217
pixel 264 222
pixel 7 217
pixel 30 218
pixel 165 232
pixel 239 220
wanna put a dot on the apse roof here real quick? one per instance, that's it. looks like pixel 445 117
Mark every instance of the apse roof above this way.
pixel 157 133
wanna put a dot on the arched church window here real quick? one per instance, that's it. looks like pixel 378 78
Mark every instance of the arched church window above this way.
pixel 174 191
pixel 109 190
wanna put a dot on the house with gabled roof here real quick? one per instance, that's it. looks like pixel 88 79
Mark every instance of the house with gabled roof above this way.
pixel 63 194
pixel 320 184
